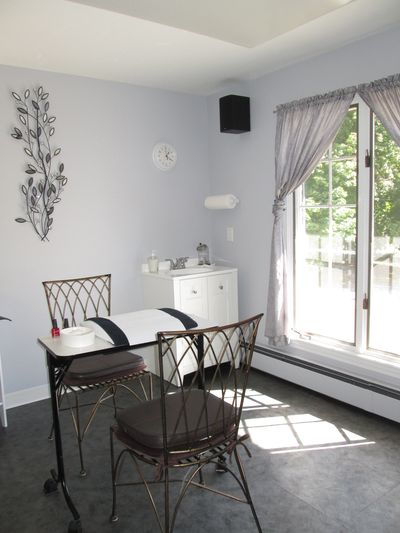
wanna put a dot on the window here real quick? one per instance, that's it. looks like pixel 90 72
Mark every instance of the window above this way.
pixel 347 239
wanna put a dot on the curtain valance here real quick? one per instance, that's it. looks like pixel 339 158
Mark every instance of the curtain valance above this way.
pixel 316 100
pixel 383 97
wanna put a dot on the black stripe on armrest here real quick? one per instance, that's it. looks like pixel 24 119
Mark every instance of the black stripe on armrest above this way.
pixel 116 334
pixel 187 321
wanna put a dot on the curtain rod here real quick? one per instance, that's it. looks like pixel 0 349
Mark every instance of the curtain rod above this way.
pixel 381 83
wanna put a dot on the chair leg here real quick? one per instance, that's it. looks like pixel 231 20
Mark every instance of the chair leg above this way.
pixel 114 517
pixel 201 477
pixel 79 436
pixel 166 501
pixel 113 393
pixel 186 482
pixel 75 414
pixel 150 386
pixel 80 433
pixel 246 489
pixel 51 434
pixel 81 429
pixel 221 465
pixel 147 392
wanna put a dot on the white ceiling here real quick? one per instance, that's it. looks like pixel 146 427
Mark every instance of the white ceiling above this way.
pixel 191 46
pixel 241 22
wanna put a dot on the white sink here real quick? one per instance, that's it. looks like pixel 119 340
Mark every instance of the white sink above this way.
pixel 190 270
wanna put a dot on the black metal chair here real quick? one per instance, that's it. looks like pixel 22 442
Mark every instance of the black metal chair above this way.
pixel 76 300
pixel 191 425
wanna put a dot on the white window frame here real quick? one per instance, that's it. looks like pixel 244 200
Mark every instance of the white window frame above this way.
pixel 356 360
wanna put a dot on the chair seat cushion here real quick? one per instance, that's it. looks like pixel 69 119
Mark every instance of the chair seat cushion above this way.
pixel 193 419
pixel 100 368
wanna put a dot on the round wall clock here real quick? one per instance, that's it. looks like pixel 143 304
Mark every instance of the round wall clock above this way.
pixel 164 156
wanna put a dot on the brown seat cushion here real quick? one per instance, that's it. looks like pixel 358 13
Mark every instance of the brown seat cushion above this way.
pixel 192 426
pixel 99 368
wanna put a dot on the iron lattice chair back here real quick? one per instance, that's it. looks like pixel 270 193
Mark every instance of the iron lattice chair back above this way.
pixel 78 299
pixel 209 405
pixel 195 421
pixel 75 300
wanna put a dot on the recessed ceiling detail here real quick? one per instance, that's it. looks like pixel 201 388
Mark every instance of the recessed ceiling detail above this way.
pixel 116 44
pixel 242 22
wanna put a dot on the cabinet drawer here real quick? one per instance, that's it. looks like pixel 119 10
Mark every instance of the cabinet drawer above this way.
pixel 192 289
pixel 219 296
pixel 193 296
pixel 219 285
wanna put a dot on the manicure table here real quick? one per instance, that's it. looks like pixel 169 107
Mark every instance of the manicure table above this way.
pixel 127 331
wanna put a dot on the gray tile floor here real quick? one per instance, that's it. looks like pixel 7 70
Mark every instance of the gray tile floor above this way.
pixel 317 466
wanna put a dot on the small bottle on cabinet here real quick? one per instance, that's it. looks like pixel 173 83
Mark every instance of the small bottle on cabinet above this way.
pixel 202 250
pixel 152 262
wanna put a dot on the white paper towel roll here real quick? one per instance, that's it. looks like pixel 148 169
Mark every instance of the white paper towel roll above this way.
pixel 221 201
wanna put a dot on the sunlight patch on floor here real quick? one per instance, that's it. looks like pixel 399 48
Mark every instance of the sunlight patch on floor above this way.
pixel 253 399
pixel 297 431
pixel 320 448
pixel 292 432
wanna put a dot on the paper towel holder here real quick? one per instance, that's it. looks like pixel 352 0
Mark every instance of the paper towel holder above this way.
pixel 221 201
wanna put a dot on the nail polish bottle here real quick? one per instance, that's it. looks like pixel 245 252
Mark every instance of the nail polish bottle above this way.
pixel 55 332
pixel 65 323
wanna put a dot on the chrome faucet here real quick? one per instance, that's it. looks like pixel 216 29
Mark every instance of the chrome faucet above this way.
pixel 178 263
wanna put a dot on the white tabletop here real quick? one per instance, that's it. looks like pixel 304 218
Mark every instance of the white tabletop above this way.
pixel 55 347
pixel 140 328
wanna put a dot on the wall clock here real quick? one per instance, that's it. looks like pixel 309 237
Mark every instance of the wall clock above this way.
pixel 164 156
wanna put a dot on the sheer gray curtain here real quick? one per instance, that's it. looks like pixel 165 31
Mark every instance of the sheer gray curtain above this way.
pixel 304 131
pixel 383 97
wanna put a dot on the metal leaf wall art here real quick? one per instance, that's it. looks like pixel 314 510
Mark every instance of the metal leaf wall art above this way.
pixel 45 178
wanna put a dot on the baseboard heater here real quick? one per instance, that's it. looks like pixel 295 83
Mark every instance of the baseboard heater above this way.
pixel 352 380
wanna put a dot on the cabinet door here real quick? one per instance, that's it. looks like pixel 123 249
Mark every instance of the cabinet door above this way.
pixel 193 296
pixel 219 296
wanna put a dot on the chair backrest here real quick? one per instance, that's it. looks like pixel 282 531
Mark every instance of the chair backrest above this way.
pixel 79 298
pixel 204 409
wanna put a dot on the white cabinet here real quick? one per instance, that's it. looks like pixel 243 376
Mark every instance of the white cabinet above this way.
pixel 212 295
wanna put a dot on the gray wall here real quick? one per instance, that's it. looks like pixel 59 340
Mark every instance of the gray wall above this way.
pixel 115 209
pixel 244 164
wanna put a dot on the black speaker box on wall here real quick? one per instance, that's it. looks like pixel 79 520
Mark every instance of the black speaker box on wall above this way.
pixel 234 113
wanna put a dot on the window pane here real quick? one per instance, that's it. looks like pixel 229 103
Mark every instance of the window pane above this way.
pixel 316 188
pixel 317 223
pixel 326 242
pixel 344 182
pixel 385 268
pixel 313 278
pixel 344 266
pixel 326 283
pixel 345 143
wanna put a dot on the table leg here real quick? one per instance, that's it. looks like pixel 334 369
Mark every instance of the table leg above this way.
pixel 59 477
